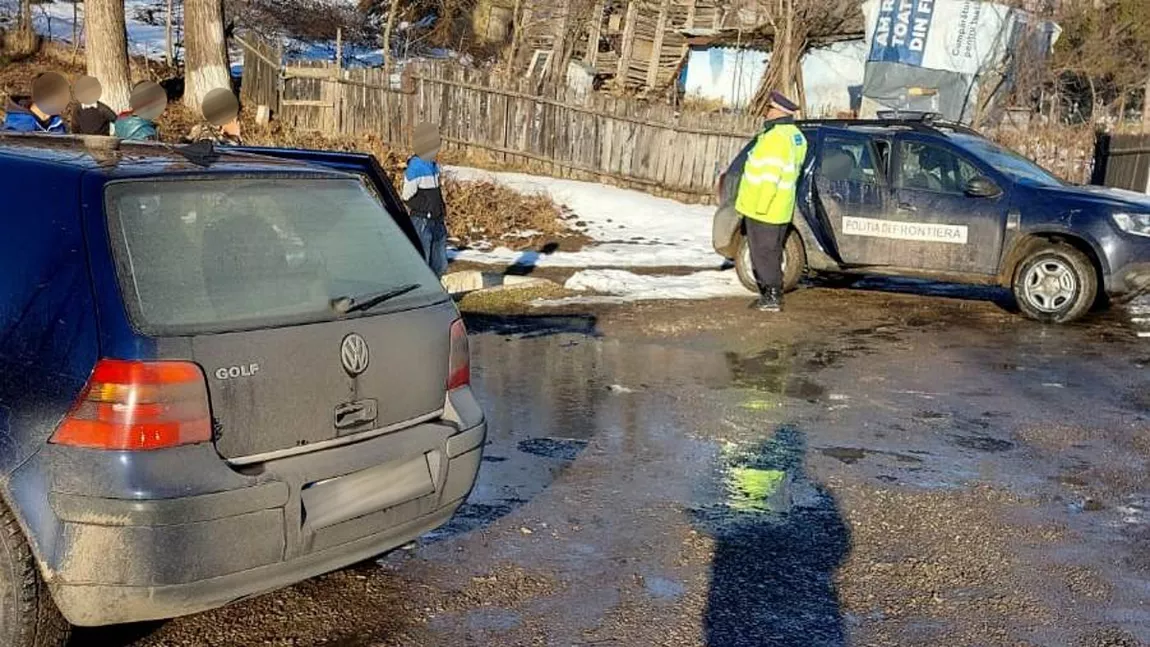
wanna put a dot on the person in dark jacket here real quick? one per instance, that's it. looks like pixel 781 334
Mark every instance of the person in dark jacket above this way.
pixel 147 103
pixel 424 197
pixel 89 115
pixel 40 113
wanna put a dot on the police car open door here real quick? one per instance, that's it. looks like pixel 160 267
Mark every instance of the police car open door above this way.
pixel 852 189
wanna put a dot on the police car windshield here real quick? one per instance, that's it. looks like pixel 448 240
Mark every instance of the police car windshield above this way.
pixel 1006 161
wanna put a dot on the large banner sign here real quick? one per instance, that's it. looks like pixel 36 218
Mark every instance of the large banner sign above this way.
pixel 962 36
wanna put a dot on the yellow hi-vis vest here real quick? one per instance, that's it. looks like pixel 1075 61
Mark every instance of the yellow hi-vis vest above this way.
pixel 770 175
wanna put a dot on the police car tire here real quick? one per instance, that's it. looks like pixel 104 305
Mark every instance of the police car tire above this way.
pixel 28 616
pixel 1085 277
pixel 792 271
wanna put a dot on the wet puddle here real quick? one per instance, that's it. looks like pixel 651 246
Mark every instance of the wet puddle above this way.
pixel 982 443
pixel 852 455
pixel 774 371
pixel 564 449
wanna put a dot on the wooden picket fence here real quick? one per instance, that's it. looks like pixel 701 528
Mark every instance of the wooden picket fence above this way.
pixel 511 123
pixel 641 145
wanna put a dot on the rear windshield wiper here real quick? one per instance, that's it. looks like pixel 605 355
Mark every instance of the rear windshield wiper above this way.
pixel 345 305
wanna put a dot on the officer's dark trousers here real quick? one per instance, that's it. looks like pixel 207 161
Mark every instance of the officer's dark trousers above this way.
pixel 766 253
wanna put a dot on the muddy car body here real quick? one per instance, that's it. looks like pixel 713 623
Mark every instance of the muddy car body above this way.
pixel 926 199
pixel 218 375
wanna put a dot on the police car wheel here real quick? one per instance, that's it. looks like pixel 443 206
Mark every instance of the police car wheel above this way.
pixel 1057 283
pixel 792 271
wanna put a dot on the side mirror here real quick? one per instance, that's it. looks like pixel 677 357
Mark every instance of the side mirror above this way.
pixel 981 187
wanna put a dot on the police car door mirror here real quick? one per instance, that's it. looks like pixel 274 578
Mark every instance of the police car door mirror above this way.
pixel 980 187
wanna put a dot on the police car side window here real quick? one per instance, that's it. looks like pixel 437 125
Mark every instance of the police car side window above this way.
pixel 932 168
pixel 848 159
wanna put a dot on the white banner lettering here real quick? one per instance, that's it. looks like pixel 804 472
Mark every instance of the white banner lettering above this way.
pixel 922 231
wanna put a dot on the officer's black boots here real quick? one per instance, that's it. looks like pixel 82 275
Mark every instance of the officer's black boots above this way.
pixel 770 301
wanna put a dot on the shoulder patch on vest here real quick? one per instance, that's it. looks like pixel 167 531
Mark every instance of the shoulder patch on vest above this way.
pixel 798 139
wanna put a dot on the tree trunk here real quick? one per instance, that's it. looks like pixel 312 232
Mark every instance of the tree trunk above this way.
pixel 205 52
pixel 169 45
pixel 392 9
pixel 107 50
pixel 22 41
pixel 1146 108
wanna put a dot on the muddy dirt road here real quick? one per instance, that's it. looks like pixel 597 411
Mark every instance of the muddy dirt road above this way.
pixel 869 468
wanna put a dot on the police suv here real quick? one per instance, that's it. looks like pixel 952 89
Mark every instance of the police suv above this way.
pixel 924 198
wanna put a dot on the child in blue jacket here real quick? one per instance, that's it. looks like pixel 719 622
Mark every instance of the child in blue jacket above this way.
pixel 40 113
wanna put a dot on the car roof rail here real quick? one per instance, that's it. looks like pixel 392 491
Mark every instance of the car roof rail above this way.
pixel 927 122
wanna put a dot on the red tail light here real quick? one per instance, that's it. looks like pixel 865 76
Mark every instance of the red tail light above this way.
pixel 133 405
pixel 459 370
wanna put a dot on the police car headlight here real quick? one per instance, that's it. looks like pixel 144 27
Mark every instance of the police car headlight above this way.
pixel 1133 223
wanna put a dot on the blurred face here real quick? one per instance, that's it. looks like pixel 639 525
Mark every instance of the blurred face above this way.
pixel 148 101
pixel 54 104
pixel 430 155
pixel 774 112
pixel 88 90
pixel 51 93
pixel 152 111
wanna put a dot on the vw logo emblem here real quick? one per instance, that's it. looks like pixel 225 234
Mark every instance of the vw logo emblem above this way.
pixel 354 354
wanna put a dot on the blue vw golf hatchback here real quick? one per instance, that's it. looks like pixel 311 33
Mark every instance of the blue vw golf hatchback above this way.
pixel 220 373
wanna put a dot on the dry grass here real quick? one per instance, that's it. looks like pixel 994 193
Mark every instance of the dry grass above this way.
pixel 478 213
pixel 486 212
pixel 1066 151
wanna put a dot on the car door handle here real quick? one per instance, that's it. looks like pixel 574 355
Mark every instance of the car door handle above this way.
pixel 906 206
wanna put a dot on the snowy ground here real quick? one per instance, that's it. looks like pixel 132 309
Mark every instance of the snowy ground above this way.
pixel 630 229
pixel 146 35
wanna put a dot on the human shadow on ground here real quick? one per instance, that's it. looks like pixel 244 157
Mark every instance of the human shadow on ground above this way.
pixel 525 264
pixel 779 538
pixel 999 296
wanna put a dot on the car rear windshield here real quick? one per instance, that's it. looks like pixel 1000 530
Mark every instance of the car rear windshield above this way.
pixel 1007 162
pixel 215 255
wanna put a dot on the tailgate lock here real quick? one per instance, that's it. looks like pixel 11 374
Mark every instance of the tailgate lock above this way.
pixel 355 413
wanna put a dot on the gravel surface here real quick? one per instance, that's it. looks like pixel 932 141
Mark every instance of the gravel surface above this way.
pixel 887 465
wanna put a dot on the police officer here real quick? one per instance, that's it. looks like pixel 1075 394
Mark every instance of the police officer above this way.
pixel 766 196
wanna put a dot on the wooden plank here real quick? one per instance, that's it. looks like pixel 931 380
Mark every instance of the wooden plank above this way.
pixel 311 103
pixel 591 56
pixel 657 46
pixel 628 41
pixel 536 98
pixel 545 160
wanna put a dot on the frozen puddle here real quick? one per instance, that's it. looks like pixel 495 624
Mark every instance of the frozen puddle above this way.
pixel 621 286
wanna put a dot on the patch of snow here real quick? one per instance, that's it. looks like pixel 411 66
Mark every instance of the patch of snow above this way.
pixel 630 228
pixel 54 20
pixel 621 286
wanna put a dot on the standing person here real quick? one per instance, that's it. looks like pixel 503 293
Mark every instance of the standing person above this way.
pixel 40 113
pixel 766 196
pixel 424 197
pixel 221 124
pixel 148 102
pixel 89 115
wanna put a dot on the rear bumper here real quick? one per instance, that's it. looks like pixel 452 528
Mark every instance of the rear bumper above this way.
pixel 116 560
